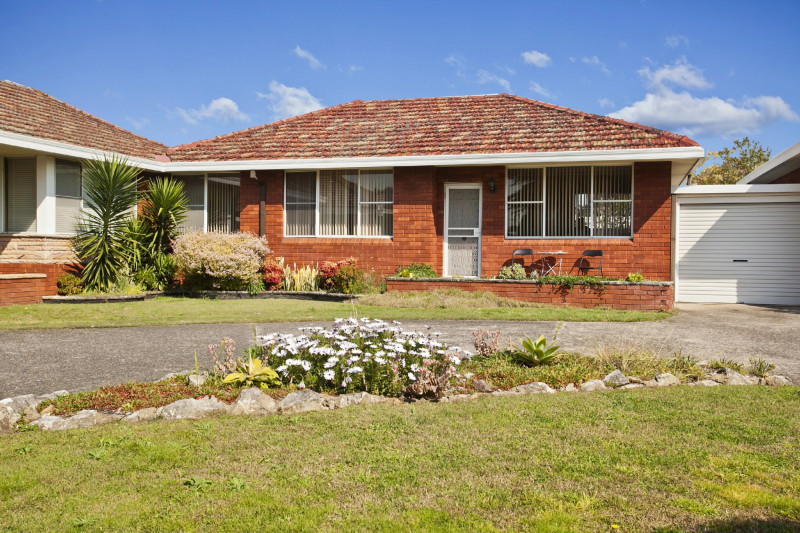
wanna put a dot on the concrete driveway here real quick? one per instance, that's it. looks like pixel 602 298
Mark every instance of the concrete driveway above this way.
pixel 43 361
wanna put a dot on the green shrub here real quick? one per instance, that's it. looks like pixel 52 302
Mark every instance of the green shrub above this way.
pixel 69 284
pixel 760 367
pixel 514 271
pixel 225 261
pixel 342 277
pixel 535 353
pixel 416 270
pixel 636 277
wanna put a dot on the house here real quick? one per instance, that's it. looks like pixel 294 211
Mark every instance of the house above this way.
pixel 456 182
pixel 741 243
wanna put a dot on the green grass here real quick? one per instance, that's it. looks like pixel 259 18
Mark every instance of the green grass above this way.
pixel 678 459
pixel 175 311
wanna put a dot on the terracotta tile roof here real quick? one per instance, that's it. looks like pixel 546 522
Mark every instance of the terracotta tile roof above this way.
pixel 430 126
pixel 29 111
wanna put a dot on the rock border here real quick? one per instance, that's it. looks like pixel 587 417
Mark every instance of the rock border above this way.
pixel 254 402
pixel 209 295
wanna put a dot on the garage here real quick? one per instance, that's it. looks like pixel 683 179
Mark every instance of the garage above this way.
pixel 738 244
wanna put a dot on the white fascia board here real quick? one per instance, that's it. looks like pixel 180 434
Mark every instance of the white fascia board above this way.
pixel 540 158
pixel 71 150
pixel 725 190
pixel 525 158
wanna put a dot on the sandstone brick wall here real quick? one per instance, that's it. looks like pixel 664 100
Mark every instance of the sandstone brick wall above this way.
pixel 35 249
pixel 419 216
pixel 640 297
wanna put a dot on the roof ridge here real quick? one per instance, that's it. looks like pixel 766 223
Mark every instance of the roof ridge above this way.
pixel 648 129
pixel 87 114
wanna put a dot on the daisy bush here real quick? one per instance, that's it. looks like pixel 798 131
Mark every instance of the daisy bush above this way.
pixel 227 261
pixel 362 355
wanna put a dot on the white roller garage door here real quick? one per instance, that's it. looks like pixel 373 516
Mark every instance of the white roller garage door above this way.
pixel 739 253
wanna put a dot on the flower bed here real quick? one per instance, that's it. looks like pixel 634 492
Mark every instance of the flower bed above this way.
pixel 639 296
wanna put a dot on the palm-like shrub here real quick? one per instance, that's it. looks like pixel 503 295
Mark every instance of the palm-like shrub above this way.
pixel 163 210
pixel 534 353
pixel 109 197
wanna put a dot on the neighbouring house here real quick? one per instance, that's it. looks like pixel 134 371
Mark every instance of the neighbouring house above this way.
pixel 741 243
pixel 456 182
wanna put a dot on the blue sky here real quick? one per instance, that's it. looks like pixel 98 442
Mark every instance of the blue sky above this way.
pixel 178 72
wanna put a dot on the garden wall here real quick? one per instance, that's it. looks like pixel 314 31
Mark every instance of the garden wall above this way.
pixel 644 296
pixel 23 289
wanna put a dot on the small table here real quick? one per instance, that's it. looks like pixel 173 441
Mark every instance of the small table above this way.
pixel 550 267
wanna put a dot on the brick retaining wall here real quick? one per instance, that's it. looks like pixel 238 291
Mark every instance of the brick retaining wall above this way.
pixel 646 296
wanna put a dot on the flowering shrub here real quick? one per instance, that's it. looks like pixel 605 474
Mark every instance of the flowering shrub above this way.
pixel 366 355
pixel 227 261
pixel 343 276
pixel 273 274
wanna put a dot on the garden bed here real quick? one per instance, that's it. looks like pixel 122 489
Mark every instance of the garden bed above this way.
pixel 626 295
pixel 208 295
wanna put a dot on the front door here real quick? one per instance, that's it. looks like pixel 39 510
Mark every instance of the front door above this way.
pixel 462 230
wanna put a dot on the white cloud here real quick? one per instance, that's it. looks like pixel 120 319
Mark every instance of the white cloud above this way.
pixel 595 62
pixel 541 91
pixel 534 57
pixel 138 123
pixel 313 62
pixel 691 115
pixel 681 73
pixel 221 109
pixel 352 69
pixel 605 102
pixel 458 62
pixel 484 76
pixel 290 101
pixel 674 41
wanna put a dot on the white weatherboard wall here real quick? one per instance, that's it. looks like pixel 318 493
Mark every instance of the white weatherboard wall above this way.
pixel 739 248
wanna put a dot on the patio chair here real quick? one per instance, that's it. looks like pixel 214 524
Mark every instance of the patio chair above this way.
pixel 586 265
pixel 522 252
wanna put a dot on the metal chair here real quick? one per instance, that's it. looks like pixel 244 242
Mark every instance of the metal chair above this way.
pixel 522 252
pixel 586 265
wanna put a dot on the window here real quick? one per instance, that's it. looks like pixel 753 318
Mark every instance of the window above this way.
pixel 340 203
pixel 213 202
pixel 20 194
pixel 68 195
pixel 580 201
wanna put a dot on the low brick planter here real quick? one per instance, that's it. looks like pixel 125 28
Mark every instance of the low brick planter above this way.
pixel 23 289
pixel 643 296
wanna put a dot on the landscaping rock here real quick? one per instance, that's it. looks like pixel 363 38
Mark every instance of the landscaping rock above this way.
pixel 18 404
pixel 778 381
pixel 458 398
pixel 704 383
pixel 650 383
pixel 47 410
pixel 534 388
pixel 253 401
pixel 356 398
pixel 195 380
pixel 570 388
pixel 192 409
pixel 302 401
pixel 8 417
pixel 482 386
pixel 593 385
pixel 52 395
pixel 172 375
pixel 82 419
pixel 635 379
pixel 30 414
pixel 616 379
pixel 511 392
pixel 730 377
pixel 667 380
pixel 632 386
pixel 143 415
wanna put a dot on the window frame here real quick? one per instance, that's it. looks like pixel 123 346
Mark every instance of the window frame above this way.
pixel 206 197
pixel 592 201
pixel 316 204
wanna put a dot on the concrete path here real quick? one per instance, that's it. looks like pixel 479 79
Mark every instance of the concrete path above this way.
pixel 43 361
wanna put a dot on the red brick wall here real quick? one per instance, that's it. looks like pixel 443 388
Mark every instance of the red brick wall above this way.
pixel 28 291
pixel 624 296
pixel 419 215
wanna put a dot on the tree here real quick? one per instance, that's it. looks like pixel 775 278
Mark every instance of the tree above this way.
pixel 734 163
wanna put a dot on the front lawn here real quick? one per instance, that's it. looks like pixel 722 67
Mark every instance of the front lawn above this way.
pixel 674 459
pixel 175 311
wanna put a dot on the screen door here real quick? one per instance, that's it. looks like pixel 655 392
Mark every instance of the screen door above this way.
pixel 462 230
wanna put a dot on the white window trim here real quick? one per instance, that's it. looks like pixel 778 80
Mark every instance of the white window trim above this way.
pixel 2 194
pixel 359 203
pixel 205 191
pixel 591 204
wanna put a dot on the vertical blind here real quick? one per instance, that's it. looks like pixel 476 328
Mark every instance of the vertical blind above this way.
pixel 223 203
pixel 68 195
pixel 20 194
pixel 579 201
pixel 194 188
pixel 347 202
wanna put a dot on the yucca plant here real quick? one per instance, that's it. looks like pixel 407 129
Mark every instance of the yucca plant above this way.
pixel 163 208
pixel 251 371
pixel 110 195
pixel 535 353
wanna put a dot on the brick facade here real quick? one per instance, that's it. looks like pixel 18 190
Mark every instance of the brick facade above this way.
pixel 626 296
pixel 29 290
pixel 419 217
